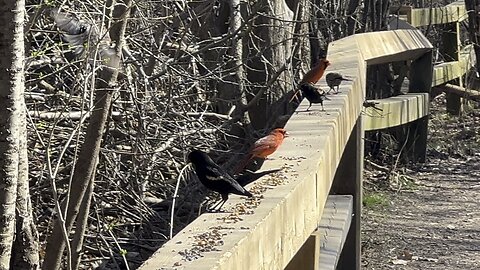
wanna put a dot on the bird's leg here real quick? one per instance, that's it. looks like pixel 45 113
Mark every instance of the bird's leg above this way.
pixel 328 92
pixel 309 106
pixel 212 209
pixel 200 208
pixel 223 201
pixel 337 89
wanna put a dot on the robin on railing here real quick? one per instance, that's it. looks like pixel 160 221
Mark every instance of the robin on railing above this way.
pixel 263 147
pixel 214 177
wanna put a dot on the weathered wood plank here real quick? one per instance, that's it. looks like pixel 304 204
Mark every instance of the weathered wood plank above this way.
pixel 307 257
pixel 333 229
pixel 323 248
pixel 445 72
pixel 377 49
pixel 454 12
pixel 419 82
pixel 348 181
pixel 395 111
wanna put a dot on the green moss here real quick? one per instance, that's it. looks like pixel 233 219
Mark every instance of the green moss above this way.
pixel 375 200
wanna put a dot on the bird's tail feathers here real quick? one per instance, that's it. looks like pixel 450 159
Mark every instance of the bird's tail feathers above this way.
pixel 243 163
pixel 248 194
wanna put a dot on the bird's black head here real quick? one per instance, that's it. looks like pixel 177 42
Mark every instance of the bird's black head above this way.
pixel 196 156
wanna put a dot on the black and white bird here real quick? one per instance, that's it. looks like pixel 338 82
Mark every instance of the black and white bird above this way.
pixel 334 80
pixel 214 177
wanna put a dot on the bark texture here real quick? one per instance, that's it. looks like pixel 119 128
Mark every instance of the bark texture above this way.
pixel 12 15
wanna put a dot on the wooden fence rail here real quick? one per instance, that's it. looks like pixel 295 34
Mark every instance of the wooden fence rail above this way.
pixel 287 226
pixel 319 143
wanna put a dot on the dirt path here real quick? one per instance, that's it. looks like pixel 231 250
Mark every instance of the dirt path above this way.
pixel 435 223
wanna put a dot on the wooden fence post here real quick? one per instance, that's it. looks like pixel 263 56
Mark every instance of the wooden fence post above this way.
pixel 421 72
pixel 451 47
pixel 348 181
pixel 307 257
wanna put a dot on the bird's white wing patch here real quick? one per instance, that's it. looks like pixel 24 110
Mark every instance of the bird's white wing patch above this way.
pixel 214 178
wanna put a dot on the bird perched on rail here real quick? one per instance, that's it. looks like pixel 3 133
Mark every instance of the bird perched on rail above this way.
pixel 313 95
pixel 314 74
pixel 334 80
pixel 214 177
pixel 263 147
pixel 372 104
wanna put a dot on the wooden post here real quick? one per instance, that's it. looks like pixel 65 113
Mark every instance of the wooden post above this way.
pixel 307 257
pixel 451 51
pixel 421 72
pixel 348 181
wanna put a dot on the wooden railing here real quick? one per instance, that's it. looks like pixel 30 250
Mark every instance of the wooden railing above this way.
pixel 458 59
pixel 303 220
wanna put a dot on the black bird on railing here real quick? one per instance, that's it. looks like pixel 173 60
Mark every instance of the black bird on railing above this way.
pixel 214 177
pixel 372 104
pixel 334 80
pixel 313 94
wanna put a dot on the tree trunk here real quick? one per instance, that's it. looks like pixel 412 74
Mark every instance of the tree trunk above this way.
pixel 12 15
pixel 81 226
pixel 237 81
pixel 273 44
pixel 25 247
pixel 87 160
pixel 351 20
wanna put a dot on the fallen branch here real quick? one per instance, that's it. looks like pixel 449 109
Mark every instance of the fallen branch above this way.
pixel 65 115
pixel 461 91
pixel 377 167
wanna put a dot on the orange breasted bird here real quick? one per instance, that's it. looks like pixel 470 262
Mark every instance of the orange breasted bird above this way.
pixel 314 74
pixel 263 147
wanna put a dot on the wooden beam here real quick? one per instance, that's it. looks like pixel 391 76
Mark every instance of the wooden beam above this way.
pixel 461 91
pixel 333 230
pixel 323 248
pixel 307 257
pixel 420 82
pixel 379 49
pixel 445 72
pixel 454 12
pixel 395 111
pixel 348 181
pixel 451 52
